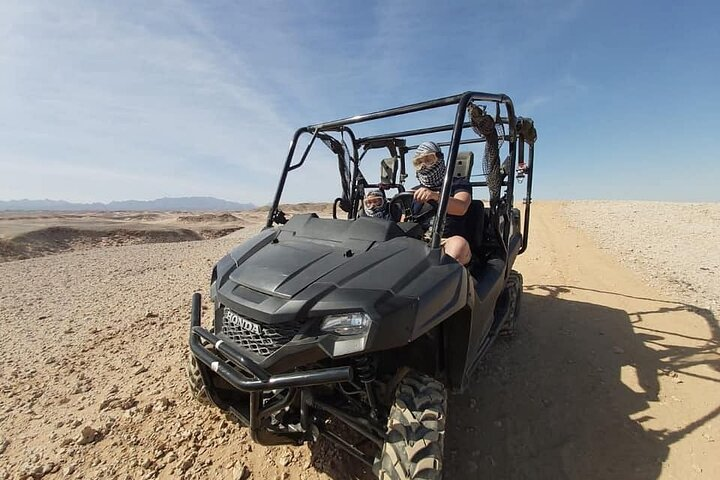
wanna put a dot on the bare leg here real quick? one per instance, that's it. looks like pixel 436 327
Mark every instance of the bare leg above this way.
pixel 458 248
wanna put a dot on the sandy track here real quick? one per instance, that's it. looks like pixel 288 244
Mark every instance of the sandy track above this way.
pixel 606 379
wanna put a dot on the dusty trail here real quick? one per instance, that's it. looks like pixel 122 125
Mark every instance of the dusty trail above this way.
pixel 606 378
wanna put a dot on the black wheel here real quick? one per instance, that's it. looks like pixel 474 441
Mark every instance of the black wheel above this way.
pixel 413 446
pixel 195 381
pixel 509 303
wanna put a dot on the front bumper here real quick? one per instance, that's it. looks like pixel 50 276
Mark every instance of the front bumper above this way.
pixel 242 373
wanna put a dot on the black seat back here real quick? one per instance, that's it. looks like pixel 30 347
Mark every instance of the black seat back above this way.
pixel 475 224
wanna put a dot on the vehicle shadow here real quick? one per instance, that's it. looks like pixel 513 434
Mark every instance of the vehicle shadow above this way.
pixel 551 403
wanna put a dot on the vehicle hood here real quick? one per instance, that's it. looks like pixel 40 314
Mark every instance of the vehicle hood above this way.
pixel 315 267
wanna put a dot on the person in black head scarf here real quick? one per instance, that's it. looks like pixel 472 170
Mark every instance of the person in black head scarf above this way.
pixel 430 169
pixel 375 205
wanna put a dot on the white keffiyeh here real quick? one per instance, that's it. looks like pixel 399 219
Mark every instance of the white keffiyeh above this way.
pixel 432 177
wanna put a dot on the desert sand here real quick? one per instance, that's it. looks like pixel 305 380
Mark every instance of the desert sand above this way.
pixel 614 373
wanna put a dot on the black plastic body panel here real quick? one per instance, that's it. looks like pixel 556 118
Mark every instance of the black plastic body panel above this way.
pixel 312 267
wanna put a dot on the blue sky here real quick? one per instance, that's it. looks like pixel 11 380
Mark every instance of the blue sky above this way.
pixel 105 101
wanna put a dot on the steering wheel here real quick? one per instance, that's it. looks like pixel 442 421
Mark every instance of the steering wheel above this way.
pixel 401 205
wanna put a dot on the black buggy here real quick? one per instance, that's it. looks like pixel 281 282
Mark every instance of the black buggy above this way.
pixel 354 329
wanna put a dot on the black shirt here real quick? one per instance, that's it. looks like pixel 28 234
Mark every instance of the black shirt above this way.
pixel 454 224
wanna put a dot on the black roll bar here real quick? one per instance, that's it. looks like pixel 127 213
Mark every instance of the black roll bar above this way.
pixel 457 127
pixel 528 199
pixel 455 139
pixel 415 107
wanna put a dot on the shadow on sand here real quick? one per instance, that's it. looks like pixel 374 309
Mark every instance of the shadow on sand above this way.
pixel 550 403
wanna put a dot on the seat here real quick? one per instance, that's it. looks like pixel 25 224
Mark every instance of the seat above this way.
pixel 463 165
pixel 475 224
pixel 388 170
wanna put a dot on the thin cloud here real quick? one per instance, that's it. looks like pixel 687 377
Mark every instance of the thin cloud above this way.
pixel 102 87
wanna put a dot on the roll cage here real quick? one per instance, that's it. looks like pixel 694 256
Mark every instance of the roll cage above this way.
pixel 520 131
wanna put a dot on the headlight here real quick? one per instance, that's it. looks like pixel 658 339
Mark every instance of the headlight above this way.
pixel 347 323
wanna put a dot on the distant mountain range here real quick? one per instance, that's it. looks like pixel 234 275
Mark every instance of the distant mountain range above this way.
pixel 159 205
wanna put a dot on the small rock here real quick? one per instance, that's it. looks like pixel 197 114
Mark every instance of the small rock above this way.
pixel 472 403
pixel 618 350
pixel 151 314
pixel 187 463
pixel 87 435
pixel 69 470
pixel 162 404
pixel 4 442
pixel 127 403
pixel 241 472
pixel 32 470
pixel 140 369
pixel 107 403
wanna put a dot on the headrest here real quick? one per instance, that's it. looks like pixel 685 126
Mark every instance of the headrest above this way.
pixel 388 167
pixel 463 165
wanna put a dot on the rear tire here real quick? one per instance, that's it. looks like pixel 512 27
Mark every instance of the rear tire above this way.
pixel 509 303
pixel 415 434
pixel 195 381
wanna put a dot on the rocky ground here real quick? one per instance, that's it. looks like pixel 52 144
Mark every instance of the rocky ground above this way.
pixel 608 378
pixel 673 246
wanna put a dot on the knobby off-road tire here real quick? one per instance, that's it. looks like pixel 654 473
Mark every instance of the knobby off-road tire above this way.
pixel 195 381
pixel 510 301
pixel 415 431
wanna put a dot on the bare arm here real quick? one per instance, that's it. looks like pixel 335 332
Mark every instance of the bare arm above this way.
pixel 457 204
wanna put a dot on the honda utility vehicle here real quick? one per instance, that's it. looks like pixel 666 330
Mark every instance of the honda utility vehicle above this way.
pixel 353 328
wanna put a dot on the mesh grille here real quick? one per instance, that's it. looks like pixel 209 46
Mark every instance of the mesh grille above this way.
pixel 261 339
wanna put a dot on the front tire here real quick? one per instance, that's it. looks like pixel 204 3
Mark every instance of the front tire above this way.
pixel 509 303
pixel 195 381
pixel 415 434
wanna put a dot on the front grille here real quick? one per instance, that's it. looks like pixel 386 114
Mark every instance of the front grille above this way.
pixel 261 339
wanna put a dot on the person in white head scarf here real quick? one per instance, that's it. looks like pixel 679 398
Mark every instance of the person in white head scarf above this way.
pixel 430 169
